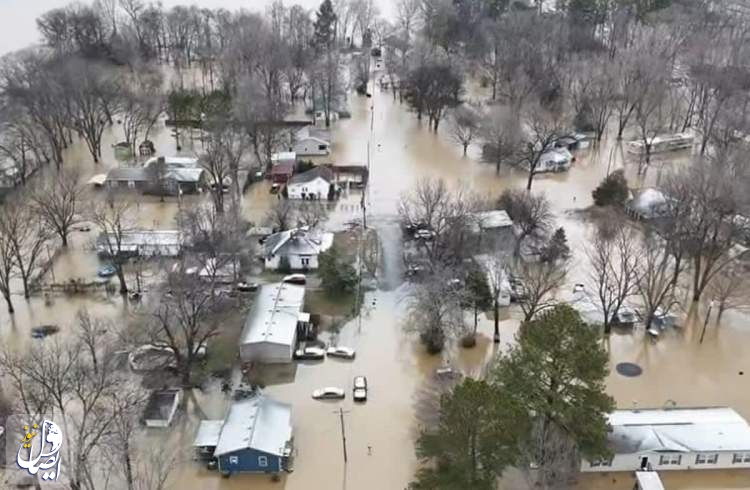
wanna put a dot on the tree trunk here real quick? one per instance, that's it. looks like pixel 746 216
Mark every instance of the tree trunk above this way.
pixel 530 180
pixel 25 280
pixel 64 238
pixel 9 302
pixel 121 277
pixel 496 317
pixel 466 147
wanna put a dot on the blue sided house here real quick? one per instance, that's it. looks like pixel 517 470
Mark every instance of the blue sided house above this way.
pixel 254 437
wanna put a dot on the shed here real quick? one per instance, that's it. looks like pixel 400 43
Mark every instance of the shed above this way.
pixel 270 331
pixel 701 438
pixel 493 230
pixel 281 172
pixel 310 141
pixel 161 408
pixel 207 438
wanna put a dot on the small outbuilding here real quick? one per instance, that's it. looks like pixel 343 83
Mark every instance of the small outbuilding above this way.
pixel 254 437
pixel 270 331
pixel 493 230
pixel 282 166
pixel 311 141
pixel 142 243
pixel 161 408
pixel 647 204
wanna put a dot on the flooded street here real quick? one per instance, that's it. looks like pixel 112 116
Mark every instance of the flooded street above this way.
pixel 380 433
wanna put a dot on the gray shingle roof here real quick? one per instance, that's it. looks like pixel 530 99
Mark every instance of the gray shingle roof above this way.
pixel 312 174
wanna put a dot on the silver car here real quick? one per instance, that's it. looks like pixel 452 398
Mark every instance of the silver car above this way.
pixel 329 393
pixel 343 352
pixel 360 389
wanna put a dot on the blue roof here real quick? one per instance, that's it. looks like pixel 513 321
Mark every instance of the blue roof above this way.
pixel 258 423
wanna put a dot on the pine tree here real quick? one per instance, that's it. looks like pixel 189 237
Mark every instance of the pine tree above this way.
pixel 325 26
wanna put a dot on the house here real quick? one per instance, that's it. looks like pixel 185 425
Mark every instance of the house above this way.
pixel 254 437
pixel 296 249
pixel 493 229
pixel 161 408
pixel 146 179
pixel 665 439
pixel 142 243
pixel 310 141
pixel 315 184
pixel 648 203
pixel 270 331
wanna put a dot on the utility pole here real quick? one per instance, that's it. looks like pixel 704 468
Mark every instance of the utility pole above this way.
pixel 343 433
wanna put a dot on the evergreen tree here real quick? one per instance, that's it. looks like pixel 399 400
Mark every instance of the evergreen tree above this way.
pixel 325 26
pixel 613 190
pixel 556 372
pixel 475 439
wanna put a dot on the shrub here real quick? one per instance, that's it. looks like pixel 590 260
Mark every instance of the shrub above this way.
pixel 337 275
pixel 612 191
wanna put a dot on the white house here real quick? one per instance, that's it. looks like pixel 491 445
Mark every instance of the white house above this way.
pixel 300 247
pixel 270 332
pixel 313 184
pixel 310 141
pixel 663 439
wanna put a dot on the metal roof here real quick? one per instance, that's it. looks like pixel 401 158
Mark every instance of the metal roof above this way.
pixel 701 429
pixel 174 162
pixel 134 174
pixel 284 155
pixel 324 173
pixel 273 317
pixel 258 423
pixel 208 433
pixel 489 220
pixel 162 238
pixel 648 480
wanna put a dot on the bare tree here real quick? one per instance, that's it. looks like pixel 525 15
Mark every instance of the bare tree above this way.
pixel 531 215
pixel 8 267
pixel 540 283
pixel 56 202
pixel 281 216
pixel 593 87
pixel 92 94
pixel 542 130
pixel 27 236
pixel 447 214
pixel 730 290
pixel 327 85
pixel 224 150
pixel 613 260
pixel 140 104
pixel 655 276
pixel 185 320
pixel 712 192
pixel 495 266
pixel 464 126
pixel 499 135
pixel 114 222
pixel 435 311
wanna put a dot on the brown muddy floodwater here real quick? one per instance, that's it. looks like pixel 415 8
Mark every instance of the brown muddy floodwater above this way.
pixel 380 434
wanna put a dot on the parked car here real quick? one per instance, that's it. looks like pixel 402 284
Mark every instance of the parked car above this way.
pixel 625 317
pixel 343 352
pixel 415 270
pixel 329 393
pixel 424 234
pixel 247 287
pixel 517 289
pixel 359 392
pixel 44 331
pixel 275 188
pixel 106 271
pixel 295 279
pixel 309 354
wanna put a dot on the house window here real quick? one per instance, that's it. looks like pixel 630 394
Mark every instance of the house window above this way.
pixel 601 462
pixel 305 261
pixel 740 458
pixel 234 460
pixel 322 147
pixel 670 459
pixel 703 458
pixel 262 461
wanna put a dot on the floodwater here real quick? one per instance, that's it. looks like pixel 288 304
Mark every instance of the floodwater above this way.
pixel 380 434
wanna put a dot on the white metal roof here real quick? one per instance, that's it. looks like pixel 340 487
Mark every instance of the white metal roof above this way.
pixel 678 429
pixel 648 480
pixel 208 433
pixel 258 423
pixel 183 162
pixel 284 155
pixel 488 220
pixel 273 318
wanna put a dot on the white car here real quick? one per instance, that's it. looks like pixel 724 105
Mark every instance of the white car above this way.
pixel 329 393
pixel 310 354
pixel 360 389
pixel 424 234
pixel 343 352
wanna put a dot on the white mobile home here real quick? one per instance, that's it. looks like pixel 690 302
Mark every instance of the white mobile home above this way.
pixel 270 332
pixel 664 439
pixel 557 160
pixel 664 143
